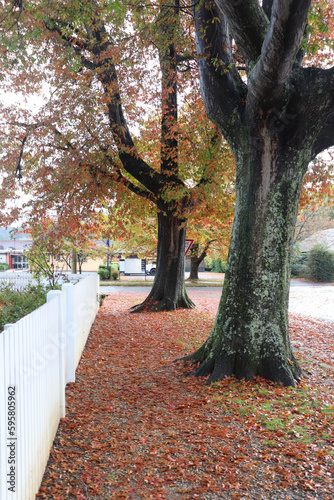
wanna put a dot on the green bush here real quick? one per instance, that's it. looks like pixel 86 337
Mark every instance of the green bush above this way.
pixel 320 264
pixel 16 304
pixel 114 274
pixel 218 266
pixel 298 270
pixel 103 272
pixel 298 267
pixel 3 266
pixel 107 274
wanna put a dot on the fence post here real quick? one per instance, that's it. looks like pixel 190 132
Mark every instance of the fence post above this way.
pixel 3 424
pixel 70 330
pixel 97 285
pixel 52 294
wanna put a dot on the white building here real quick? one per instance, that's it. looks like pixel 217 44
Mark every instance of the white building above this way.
pixel 325 237
pixel 12 252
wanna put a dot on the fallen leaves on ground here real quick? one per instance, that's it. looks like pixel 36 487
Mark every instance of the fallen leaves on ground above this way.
pixel 138 427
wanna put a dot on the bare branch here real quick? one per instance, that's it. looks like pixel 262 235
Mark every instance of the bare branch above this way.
pixel 18 166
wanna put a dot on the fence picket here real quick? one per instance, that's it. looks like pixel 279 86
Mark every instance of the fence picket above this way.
pixel 34 359
pixel 20 280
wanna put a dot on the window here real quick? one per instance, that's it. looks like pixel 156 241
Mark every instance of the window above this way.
pixel 20 262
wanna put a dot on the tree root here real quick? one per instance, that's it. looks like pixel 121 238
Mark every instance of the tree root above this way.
pixel 221 366
pixel 151 304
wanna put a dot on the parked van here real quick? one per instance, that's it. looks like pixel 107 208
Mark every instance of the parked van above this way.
pixel 137 266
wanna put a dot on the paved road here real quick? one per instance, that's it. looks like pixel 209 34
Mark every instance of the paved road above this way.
pixel 307 299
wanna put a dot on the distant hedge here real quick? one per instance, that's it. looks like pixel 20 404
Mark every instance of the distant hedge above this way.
pixel 320 264
pixel 107 274
pixel 298 268
pixel 218 266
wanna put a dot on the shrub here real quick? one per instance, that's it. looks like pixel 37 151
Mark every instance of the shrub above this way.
pixel 298 267
pixel 320 264
pixel 16 304
pixel 114 274
pixel 103 272
pixel 218 266
pixel 3 266
pixel 298 270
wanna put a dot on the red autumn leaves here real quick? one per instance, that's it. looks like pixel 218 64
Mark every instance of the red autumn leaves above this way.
pixel 138 427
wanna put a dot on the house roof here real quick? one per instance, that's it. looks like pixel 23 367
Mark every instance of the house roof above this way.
pixel 15 245
pixel 325 237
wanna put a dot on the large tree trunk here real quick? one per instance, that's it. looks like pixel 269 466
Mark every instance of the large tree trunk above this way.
pixel 168 291
pixel 251 333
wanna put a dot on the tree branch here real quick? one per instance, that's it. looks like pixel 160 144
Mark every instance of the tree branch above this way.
pixel 135 189
pixel 222 88
pixel 18 166
pixel 280 48
pixel 318 101
pixel 119 177
pixel 204 252
pixel 74 43
pixel 325 139
pixel 107 75
pixel 167 26
pixel 248 24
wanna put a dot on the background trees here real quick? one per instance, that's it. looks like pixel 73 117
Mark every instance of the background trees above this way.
pixel 106 66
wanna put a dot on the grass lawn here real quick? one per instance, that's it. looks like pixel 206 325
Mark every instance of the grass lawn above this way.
pixel 138 427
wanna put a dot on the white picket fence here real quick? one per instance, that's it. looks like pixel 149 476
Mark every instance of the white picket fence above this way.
pixel 20 280
pixel 38 357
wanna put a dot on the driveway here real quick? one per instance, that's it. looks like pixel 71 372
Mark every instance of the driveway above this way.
pixel 313 300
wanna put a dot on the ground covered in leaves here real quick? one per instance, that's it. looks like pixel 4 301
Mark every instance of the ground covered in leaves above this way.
pixel 137 427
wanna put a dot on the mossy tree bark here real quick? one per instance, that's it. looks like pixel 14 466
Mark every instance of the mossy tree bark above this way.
pixel 251 332
pixel 276 124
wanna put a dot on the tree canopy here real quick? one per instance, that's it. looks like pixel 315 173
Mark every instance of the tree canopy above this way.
pixel 117 78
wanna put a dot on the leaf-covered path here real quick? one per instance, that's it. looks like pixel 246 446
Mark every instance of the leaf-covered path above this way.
pixel 137 427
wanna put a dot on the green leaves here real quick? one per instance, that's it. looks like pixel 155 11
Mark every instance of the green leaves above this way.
pixel 16 304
